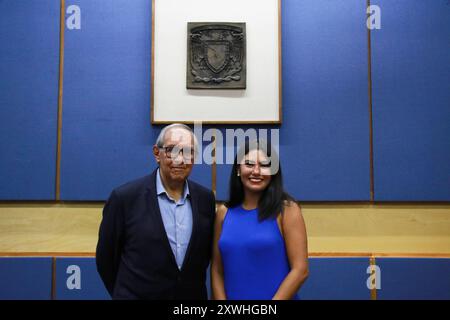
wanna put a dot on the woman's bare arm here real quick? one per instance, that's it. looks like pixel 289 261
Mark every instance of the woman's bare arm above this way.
pixel 294 232
pixel 217 284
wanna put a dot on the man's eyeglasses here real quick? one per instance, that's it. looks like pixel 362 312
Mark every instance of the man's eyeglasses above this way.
pixel 172 152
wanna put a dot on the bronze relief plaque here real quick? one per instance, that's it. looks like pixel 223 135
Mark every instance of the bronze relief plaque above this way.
pixel 216 55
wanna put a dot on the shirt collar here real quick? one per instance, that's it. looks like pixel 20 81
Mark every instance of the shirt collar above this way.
pixel 160 188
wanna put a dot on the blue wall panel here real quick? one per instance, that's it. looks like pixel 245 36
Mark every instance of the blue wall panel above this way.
pixel 202 172
pixel 336 279
pixel 414 278
pixel 29 60
pixel 411 101
pixel 90 284
pixel 329 279
pixel 325 131
pixel 223 168
pixel 107 135
pixel 25 278
pixel 223 179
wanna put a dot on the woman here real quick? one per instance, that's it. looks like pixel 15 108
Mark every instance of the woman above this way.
pixel 260 247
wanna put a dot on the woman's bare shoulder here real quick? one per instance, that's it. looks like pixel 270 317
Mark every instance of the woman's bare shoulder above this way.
pixel 291 204
pixel 221 211
pixel 292 208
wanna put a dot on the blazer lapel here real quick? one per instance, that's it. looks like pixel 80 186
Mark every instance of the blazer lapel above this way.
pixel 195 217
pixel 153 208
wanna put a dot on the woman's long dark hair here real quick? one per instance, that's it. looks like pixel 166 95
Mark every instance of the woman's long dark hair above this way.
pixel 272 200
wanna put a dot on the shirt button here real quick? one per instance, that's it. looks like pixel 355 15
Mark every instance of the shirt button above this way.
pixel 178 245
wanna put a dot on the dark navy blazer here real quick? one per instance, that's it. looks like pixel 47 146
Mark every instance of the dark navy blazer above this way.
pixel 134 257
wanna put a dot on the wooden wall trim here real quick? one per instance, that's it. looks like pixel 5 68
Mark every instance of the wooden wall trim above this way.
pixel 60 101
pixel 311 254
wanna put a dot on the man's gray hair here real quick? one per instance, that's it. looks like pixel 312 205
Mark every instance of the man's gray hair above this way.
pixel 160 140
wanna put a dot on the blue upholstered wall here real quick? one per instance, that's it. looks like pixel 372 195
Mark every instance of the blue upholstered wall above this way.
pixel 324 138
pixel 325 145
pixel 411 101
pixel 26 278
pixel 343 278
pixel 29 59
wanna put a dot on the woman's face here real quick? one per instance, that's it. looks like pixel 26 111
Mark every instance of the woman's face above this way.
pixel 255 171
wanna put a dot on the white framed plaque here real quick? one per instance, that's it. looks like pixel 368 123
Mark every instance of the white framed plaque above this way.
pixel 258 102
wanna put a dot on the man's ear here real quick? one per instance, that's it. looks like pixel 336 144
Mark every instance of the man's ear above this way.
pixel 156 154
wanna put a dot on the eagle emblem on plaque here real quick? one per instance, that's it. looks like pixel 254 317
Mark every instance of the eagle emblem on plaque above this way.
pixel 216 57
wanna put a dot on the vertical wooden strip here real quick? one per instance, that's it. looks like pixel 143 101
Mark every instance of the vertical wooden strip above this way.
pixel 53 294
pixel 60 101
pixel 373 291
pixel 280 71
pixel 214 164
pixel 152 68
pixel 369 65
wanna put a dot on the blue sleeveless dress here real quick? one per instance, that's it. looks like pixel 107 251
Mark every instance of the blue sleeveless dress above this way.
pixel 254 256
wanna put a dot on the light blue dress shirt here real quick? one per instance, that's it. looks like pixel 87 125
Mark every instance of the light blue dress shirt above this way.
pixel 177 219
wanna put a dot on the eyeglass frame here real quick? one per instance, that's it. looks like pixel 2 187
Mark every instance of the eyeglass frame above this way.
pixel 169 153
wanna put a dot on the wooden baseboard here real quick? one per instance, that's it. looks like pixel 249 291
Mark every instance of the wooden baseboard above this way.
pixel 311 255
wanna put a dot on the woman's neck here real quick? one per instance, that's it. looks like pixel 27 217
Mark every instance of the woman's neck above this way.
pixel 251 200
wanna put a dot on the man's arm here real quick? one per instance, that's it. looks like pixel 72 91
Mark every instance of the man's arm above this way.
pixel 109 246
pixel 212 212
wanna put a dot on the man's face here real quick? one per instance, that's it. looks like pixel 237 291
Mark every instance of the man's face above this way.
pixel 176 157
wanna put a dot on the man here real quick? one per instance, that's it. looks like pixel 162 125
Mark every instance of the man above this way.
pixel 156 234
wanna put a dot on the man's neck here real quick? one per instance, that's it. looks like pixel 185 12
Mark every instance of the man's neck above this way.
pixel 173 189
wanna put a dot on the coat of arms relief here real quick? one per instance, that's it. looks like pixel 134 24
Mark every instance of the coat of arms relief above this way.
pixel 216 57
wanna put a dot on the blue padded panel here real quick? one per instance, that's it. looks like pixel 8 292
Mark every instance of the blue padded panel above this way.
pixel 223 168
pixel 222 181
pixel 336 279
pixel 411 101
pixel 325 130
pixel 414 278
pixel 29 60
pixel 91 285
pixel 107 135
pixel 202 172
pixel 25 278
